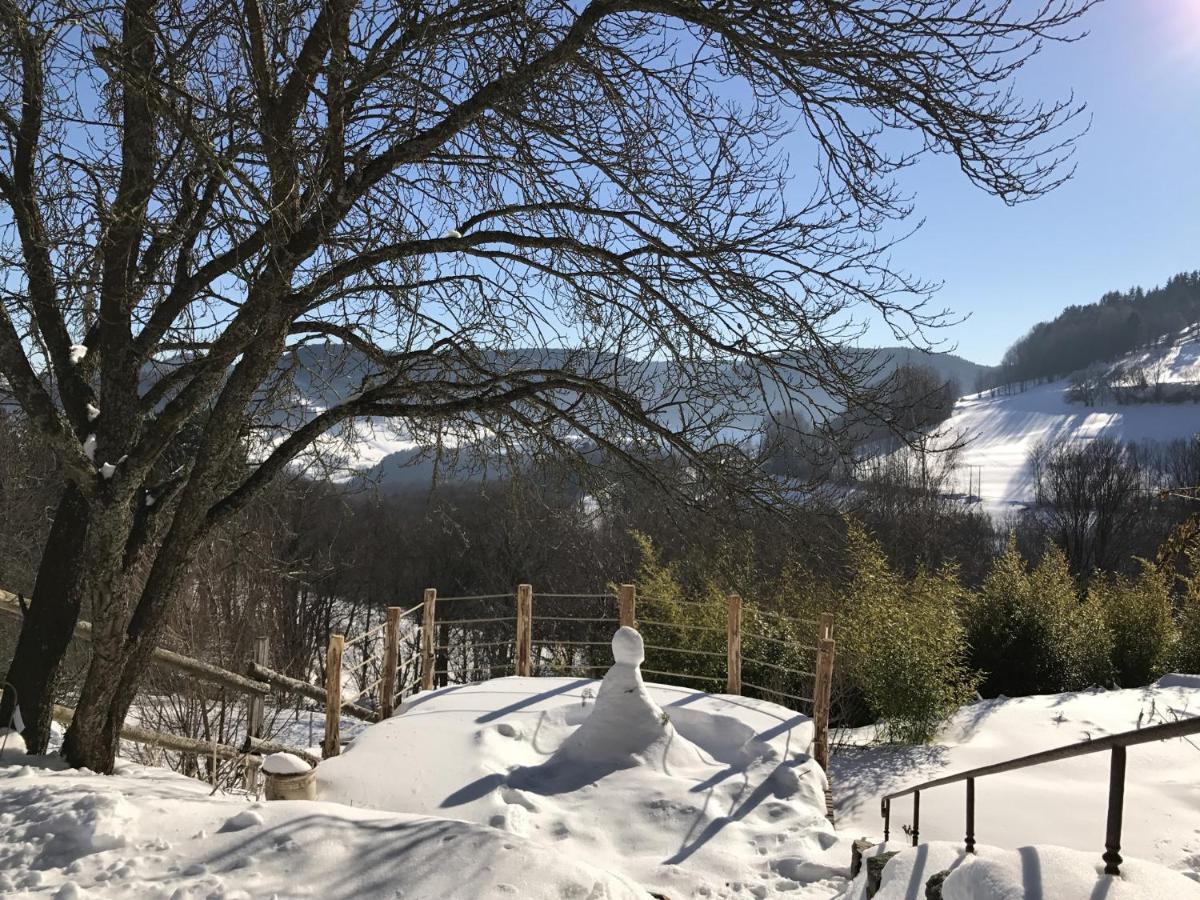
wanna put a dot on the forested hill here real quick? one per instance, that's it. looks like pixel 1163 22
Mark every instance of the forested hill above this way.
pixel 1096 332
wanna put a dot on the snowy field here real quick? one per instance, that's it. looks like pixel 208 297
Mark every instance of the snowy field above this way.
pixel 1000 433
pixel 565 788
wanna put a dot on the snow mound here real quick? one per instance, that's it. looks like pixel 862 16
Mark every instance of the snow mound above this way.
pixel 1178 680
pixel 1055 873
pixel 1028 873
pixel 11 743
pixel 686 793
pixel 285 764
pixel 147 833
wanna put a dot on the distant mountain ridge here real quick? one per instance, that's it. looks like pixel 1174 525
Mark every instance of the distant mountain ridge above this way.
pixel 1117 324
pixel 320 375
pixel 413 466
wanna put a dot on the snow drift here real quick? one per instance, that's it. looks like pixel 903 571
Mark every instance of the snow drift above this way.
pixel 149 833
pixel 1027 873
pixel 685 793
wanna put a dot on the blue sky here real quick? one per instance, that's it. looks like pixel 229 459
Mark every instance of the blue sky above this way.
pixel 1130 216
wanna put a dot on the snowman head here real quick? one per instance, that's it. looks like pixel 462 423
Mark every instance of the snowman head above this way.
pixel 627 647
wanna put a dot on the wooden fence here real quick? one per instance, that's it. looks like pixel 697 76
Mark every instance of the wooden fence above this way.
pixel 258 683
pixel 468 638
pixel 495 634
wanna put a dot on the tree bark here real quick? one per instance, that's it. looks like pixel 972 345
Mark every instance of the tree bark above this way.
pixel 50 621
pixel 107 589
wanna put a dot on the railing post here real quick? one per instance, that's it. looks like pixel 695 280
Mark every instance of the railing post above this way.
pixel 916 828
pixel 256 712
pixel 733 641
pixel 391 662
pixel 1116 811
pixel 525 630
pixel 887 820
pixel 332 744
pixel 970 815
pixel 822 690
pixel 626 605
pixel 427 638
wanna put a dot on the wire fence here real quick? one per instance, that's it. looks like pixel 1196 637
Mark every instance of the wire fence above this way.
pixel 688 643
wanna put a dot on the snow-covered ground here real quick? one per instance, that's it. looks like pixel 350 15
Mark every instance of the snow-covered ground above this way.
pixel 1061 803
pixel 1026 873
pixel 520 787
pixel 999 434
pixel 562 788
pixel 689 794
pixel 146 832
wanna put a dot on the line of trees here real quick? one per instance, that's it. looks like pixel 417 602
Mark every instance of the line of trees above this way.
pixel 1083 336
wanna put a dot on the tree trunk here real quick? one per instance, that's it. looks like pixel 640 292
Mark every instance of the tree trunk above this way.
pixel 50 621
pixel 122 650
pixel 89 742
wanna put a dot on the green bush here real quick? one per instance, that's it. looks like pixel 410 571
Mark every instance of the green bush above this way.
pixel 902 643
pixel 1140 619
pixel 1029 632
pixel 1187 651
pixel 674 626
pixel 685 626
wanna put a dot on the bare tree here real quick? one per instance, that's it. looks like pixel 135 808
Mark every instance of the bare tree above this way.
pixel 1088 498
pixel 194 189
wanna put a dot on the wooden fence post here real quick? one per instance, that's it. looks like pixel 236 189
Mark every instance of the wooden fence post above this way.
pixel 525 630
pixel 733 639
pixel 332 745
pixel 256 713
pixel 391 662
pixel 822 690
pixel 626 605
pixel 427 639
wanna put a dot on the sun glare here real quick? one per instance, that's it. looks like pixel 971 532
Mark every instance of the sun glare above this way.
pixel 1181 27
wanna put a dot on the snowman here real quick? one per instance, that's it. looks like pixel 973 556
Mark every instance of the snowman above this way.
pixel 626 727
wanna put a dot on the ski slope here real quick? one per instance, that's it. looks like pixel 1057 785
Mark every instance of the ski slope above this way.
pixel 998 434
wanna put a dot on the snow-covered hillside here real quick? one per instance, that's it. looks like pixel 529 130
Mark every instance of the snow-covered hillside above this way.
pixel 382 452
pixel 999 432
pixel 1170 361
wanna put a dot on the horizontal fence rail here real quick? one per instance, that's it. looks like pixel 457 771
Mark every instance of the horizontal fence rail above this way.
pixel 1116 744
pixel 477 637
pixel 256 685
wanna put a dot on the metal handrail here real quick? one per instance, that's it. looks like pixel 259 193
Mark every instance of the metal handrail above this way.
pixel 1116 743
